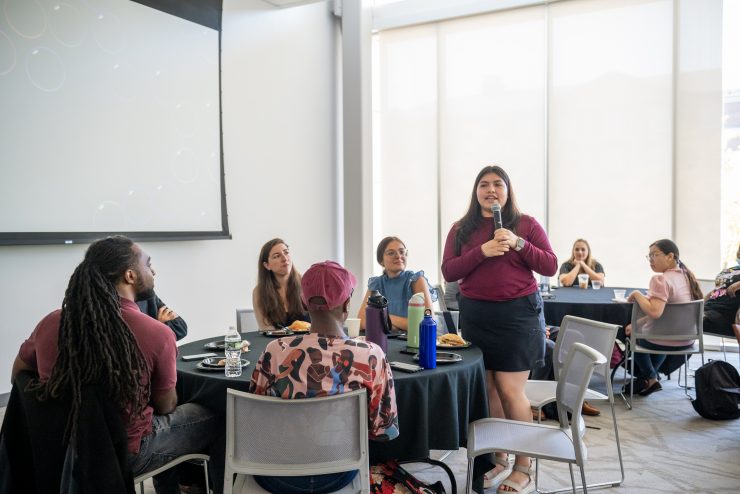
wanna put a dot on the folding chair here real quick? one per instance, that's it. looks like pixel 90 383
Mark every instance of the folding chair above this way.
pixel 679 322
pixel 278 437
pixel 599 336
pixel 562 443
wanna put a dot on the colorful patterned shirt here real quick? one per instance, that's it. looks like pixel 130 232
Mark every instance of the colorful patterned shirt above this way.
pixel 316 365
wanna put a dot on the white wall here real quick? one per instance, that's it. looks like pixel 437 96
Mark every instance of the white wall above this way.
pixel 279 125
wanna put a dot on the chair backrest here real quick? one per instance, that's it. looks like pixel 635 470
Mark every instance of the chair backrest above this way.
pixel 597 335
pixel 448 321
pixel 246 321
pixel 272 436
pixel 571 389
pixel 683 321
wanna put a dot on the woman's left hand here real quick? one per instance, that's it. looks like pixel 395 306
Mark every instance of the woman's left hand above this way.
pixel 504 236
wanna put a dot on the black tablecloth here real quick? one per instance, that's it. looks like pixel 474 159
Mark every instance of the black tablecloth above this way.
pixel 591 304
pixel 434 406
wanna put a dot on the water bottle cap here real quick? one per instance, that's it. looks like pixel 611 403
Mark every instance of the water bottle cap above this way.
pixel 428 313
pixel 417 300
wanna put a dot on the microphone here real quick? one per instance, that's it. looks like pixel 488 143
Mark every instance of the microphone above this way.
pixel 496 210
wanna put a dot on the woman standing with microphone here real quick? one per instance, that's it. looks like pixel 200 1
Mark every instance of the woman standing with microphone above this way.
pixel 499 305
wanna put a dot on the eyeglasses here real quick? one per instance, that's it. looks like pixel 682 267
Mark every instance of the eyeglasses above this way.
pixel 399 252
pixel 653 255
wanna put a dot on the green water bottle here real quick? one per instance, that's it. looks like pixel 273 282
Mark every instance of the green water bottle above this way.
pixel 415 316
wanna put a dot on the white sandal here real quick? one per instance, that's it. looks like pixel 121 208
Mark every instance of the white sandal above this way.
pixel 490 481
pixel 519 488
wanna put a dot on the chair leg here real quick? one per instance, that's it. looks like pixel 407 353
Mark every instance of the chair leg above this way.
pixel 205 471
pixel 572 478
pixel 583 480
pixel 469 479
pixel 141 487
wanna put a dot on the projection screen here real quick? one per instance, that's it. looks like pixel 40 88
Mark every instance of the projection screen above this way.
pixel 110 118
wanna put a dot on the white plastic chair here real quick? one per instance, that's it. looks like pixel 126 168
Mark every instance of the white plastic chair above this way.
pixel 562 443
pixel 678 322
pixel 598 335
pixel 279 437
pixel 195 457
pixel 246 321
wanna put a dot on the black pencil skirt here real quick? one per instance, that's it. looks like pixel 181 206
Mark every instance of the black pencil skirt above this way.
pixel 508 333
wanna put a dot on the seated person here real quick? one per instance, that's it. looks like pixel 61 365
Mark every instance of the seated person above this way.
pixel 396 284
pixel 155 308
pixel 674 284
pixel 722 304
pixel 277 297
pixel 326 362
pixel 581 261
pixel 101 337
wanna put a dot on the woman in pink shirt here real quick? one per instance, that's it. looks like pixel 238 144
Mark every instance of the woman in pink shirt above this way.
pixel 674 284
pixel 500 304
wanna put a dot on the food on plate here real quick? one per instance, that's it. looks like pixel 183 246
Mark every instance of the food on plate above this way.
pixel 222 362
pixel 452 339
pixel 300 326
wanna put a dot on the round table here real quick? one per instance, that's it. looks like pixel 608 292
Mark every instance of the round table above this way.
pixel 434 406
pixel 597 305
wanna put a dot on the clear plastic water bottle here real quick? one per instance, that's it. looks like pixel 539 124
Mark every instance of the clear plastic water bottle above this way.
pixel 544 285
pixel 233 351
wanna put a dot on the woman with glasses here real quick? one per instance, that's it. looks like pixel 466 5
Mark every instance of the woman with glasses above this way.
pixel 500 305
pixel 581 262
pixel 674 283
pixel 277 297
pixel 396 283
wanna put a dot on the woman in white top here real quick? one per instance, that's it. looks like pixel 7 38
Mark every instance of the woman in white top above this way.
pixel 674 283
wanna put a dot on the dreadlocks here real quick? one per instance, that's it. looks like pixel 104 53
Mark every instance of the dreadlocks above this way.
pixel 95 344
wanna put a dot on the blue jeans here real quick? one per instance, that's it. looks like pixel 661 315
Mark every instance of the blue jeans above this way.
pixel 190 428
pixel 309 484
pixel 647 364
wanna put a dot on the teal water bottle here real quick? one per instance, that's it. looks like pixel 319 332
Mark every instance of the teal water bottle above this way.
pixel 415 316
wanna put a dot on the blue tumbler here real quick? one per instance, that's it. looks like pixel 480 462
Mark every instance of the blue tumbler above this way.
pixel 428 341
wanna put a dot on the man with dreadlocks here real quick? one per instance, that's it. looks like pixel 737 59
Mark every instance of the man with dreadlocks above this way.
pixel 101 337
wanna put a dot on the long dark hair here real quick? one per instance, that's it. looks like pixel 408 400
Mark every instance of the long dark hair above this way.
pixel 669 247
pixel 95 345
pixel 510 213
pixel 268 292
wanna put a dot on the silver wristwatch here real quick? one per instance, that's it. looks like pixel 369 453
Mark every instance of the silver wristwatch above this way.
pixel 519 244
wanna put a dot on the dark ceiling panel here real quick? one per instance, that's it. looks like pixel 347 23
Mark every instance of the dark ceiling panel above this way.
pixel 204 12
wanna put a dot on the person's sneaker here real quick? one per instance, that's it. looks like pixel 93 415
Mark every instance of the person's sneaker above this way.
pixel 589 409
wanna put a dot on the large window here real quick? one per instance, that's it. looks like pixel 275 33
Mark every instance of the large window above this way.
pixel 606 114
pixel 731 133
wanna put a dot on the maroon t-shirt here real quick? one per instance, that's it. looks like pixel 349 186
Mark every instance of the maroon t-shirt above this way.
pixel 504 277
pixel 157 344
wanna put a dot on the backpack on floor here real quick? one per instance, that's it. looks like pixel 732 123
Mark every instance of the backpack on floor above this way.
pixel 717 397
pixel 389 477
